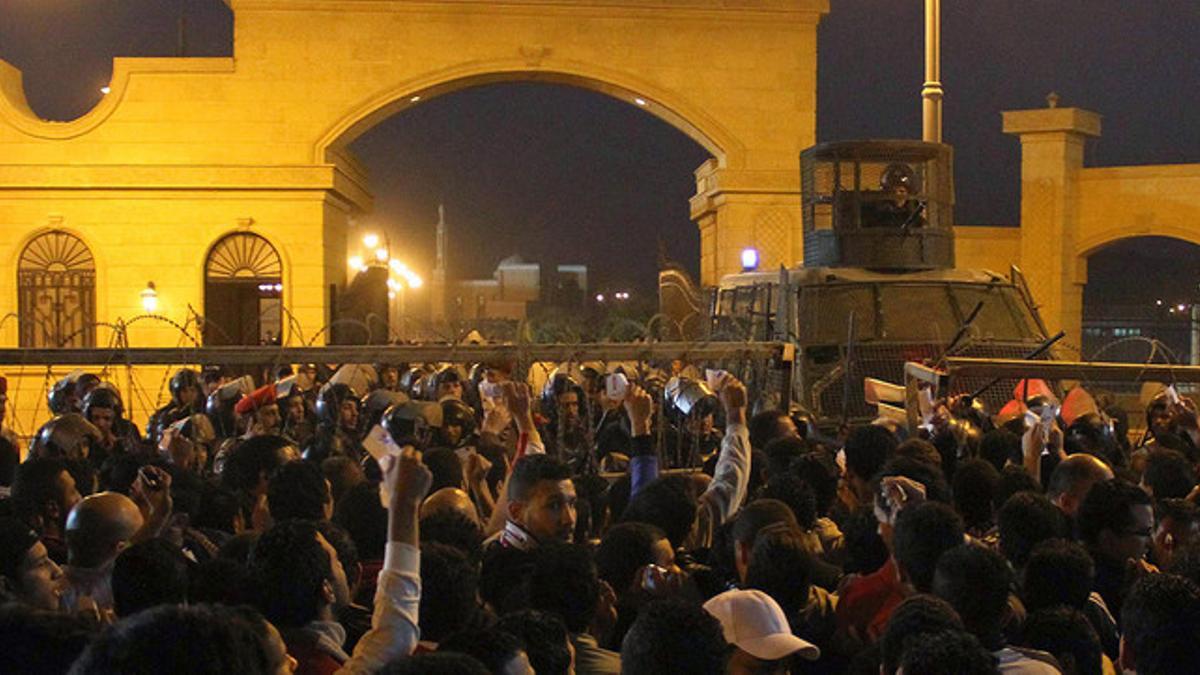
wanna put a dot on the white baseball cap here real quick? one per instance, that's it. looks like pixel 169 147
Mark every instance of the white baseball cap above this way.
pixel 754 622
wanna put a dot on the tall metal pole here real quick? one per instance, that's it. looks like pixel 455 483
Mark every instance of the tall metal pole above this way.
pixel 931 93
pixel 1195 360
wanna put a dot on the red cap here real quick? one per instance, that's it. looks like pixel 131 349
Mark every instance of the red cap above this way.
pixel 259 398
pixel 1011 411
pixel 1027 389
pixel 1078 403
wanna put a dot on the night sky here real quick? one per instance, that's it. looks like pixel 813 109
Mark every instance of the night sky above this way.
pixel 564 175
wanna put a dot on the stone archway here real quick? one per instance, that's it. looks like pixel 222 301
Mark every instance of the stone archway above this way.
pixel 259 137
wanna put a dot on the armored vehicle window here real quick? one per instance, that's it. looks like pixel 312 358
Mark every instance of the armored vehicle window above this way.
pixel 916 313
pixel 824 316
pixel 998 320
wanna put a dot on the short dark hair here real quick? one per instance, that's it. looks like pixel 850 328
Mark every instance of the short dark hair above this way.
pixel 796 493
pixel 38 642
pixel 1026 520
pixel 446 468
pixel 948 652
pixel 762 427
pixel 1013 479
pixel 453 528
pixel 253 459
pixel 1160 620
pixel 998 446
pixel 219 508
pixel 449 587
pixel 289 567
pixel 149 573
pixel 936 488
pixel 1109 505
pixel 364 517
pixel 820 470
pixel 781 452
pixel 220 581
pixel 865 549
pixel 759 515
pixel 564 581
pixel 545 637
pixel 975 581
pixel 1168 474
pixel 343 545
pixel 781 567
pixel 435 663
pixel 922 534
pixel 36 483
pixel 917 615
pixel 298 489
pixel 504 578
pixel 181 639
pixel 1058 572
pixel 1066 633
pixel 976 484
pixel 491 647
pixel 625 549
pixel 867 449
pixel 530 470
pixel 668 502
pixel 672 635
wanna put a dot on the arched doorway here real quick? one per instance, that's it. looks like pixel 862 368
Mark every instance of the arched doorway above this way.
pixel 1139 290
pixel 243 292
pixel 56 288
pixel 556 193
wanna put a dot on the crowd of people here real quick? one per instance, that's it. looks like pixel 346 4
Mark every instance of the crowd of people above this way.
pixel 382 519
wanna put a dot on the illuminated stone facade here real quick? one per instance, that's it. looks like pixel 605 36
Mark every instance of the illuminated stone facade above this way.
pixel 184 151
pixel 1068 212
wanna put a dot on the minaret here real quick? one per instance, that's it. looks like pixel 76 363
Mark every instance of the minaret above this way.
pixel 438 295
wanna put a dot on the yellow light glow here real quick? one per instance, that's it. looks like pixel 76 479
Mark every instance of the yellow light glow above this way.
pixel 150 298
pixel 381 254
pixel 393 284
pixel 412 279
pixel 371 240
pixel 356 262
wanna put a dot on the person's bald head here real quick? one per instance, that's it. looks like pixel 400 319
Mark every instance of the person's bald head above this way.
pixel 450 499
pixel 1073 478
pixel 100 526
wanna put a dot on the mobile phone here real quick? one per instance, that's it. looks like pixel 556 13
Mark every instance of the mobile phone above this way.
pixel 491 389
pixel 650 576
pixel 715 378
pixel 616 386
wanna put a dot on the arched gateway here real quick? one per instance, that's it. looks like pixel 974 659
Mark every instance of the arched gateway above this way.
pixel 183 150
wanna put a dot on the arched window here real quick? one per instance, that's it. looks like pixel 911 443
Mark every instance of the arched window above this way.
pixel 56 292
pixel 243 292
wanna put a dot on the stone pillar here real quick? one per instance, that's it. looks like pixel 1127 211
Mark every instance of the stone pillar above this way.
pixel 739 209
pixel 1052 143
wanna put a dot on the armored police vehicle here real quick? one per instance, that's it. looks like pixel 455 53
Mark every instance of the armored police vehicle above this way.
pixel 878 286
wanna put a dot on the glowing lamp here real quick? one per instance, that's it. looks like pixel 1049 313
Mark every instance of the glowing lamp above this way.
pixel 149 298
pixel 356 262
pixel 371 240
pixel 749 259
pixel 381 255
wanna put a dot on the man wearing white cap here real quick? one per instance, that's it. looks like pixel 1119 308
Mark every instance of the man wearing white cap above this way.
pixel 756 627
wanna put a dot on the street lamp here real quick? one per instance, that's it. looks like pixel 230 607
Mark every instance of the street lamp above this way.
pixel 149 298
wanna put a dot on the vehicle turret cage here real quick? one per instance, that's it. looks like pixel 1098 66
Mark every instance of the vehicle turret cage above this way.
pixel 878 204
